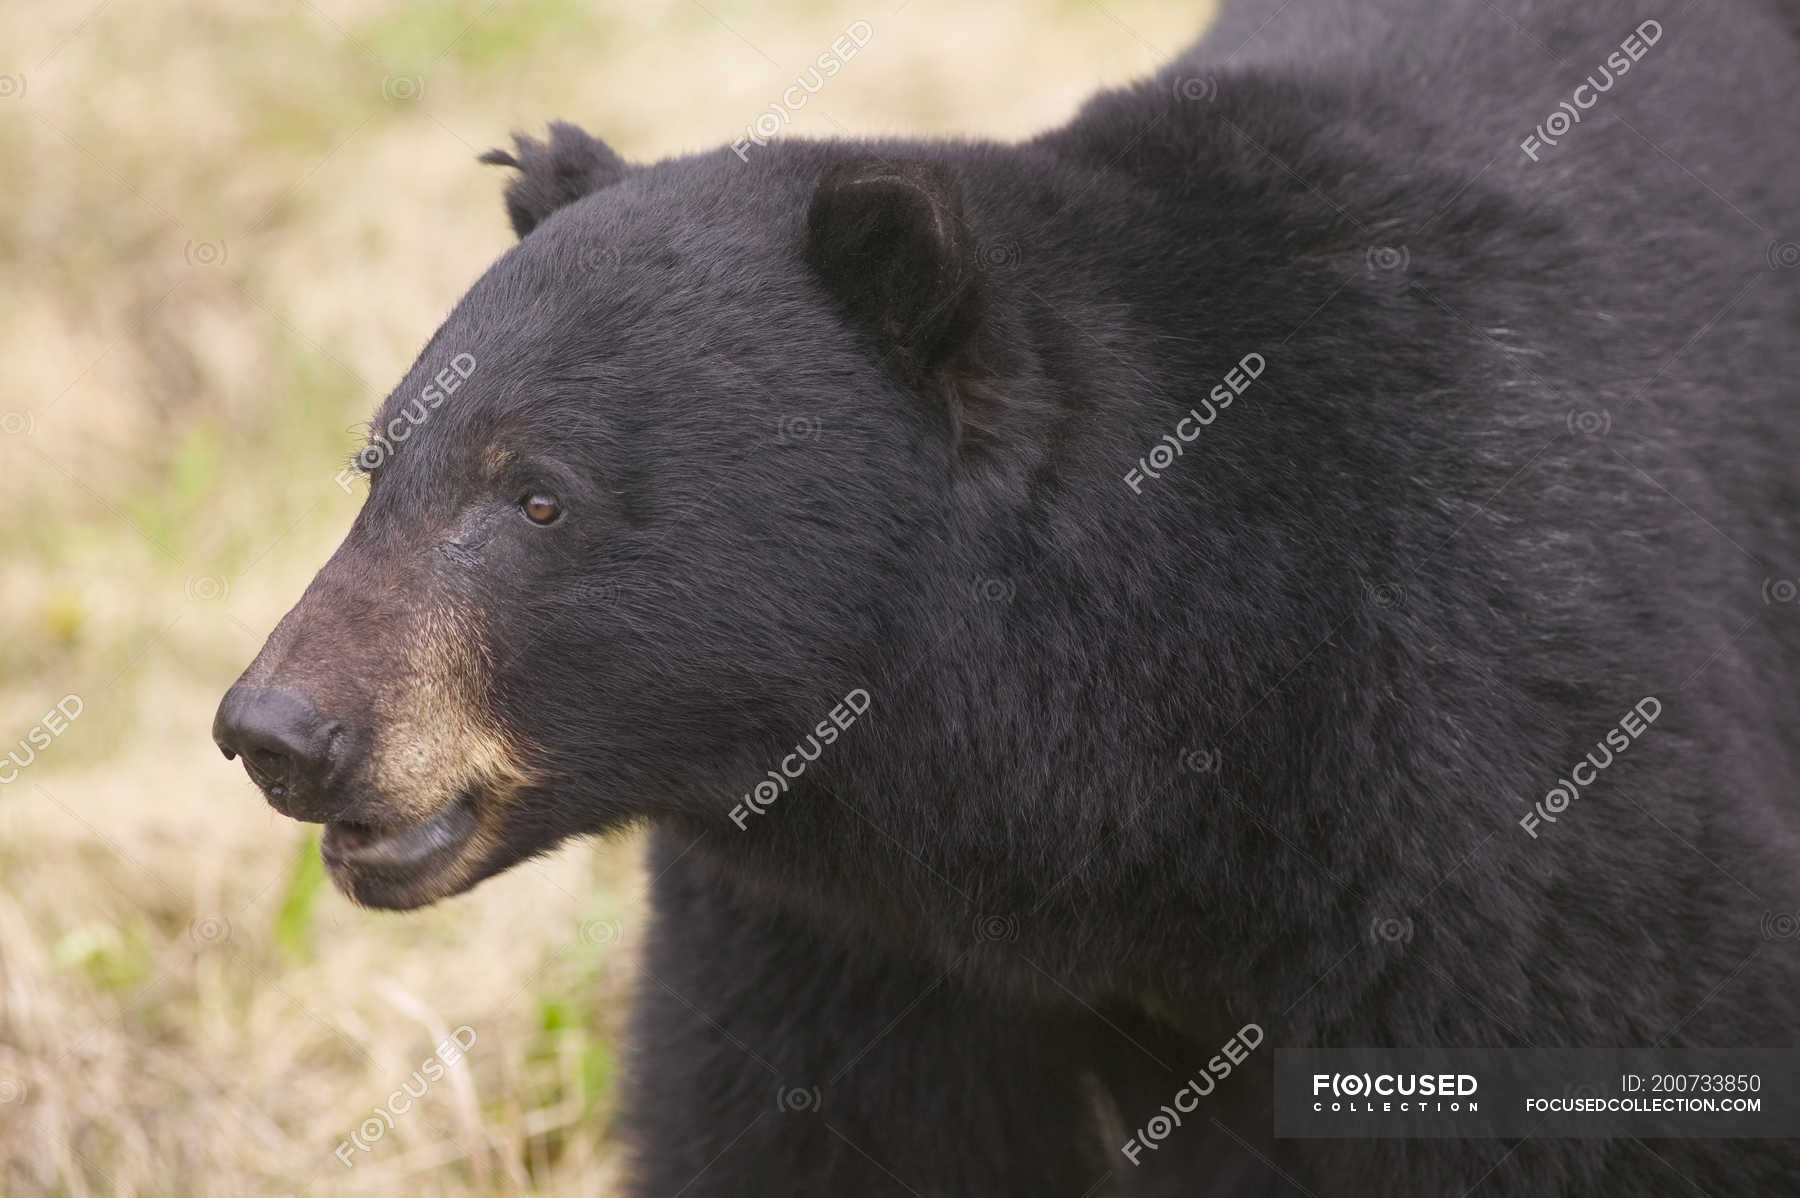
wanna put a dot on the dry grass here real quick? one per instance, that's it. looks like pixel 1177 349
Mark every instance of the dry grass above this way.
pixel 221 242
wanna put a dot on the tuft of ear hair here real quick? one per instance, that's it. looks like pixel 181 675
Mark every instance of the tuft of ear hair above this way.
pixel 560 171
pixel 889 240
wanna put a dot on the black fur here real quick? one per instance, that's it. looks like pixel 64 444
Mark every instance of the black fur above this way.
pixel 1248 741
pixel 551 174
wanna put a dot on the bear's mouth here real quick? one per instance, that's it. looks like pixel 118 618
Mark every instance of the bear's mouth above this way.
pixel 404 851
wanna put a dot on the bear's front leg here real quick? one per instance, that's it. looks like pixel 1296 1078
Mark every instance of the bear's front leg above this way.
pixel 767 1060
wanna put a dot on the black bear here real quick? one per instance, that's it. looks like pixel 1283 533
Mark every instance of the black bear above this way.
pixel 1301 555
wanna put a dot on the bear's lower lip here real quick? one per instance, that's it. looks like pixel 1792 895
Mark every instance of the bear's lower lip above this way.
pixel 363 846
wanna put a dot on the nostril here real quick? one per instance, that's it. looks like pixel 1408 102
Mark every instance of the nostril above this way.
pixel 269 770
pixel 284 741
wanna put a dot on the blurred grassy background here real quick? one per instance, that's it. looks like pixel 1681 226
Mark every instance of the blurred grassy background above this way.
pixel 228 229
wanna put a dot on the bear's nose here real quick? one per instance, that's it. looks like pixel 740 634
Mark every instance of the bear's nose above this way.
pixel 285 744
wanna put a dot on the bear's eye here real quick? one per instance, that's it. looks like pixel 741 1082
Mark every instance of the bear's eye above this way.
pixel 541 509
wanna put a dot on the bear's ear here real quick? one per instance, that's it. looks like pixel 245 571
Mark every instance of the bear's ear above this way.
pixel 552 174
pixel 889 240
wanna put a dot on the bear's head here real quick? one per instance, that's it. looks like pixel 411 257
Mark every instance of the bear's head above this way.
pixel 672 478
